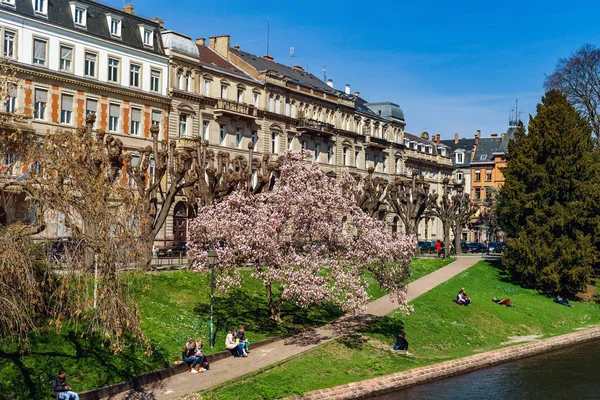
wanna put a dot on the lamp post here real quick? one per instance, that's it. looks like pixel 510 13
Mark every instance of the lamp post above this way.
pixel 212 260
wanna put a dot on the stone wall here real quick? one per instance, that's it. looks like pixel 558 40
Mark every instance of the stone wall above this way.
pixel 400 380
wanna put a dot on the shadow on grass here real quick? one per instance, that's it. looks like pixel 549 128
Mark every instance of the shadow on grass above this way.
pixel 385 326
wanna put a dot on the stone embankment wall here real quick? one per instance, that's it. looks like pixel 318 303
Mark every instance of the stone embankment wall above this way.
pixel 400 380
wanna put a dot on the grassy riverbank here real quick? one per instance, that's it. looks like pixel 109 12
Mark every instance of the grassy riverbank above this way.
pixel 173 307
pixel 438 330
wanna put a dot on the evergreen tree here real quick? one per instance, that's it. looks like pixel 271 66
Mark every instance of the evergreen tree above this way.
pixel 548 205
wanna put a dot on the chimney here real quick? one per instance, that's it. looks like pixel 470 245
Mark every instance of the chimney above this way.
pixel 478 134
pixel 356 94
pixel 494 135
pixel 268 57
pixel 128 8
pixel 237 47
pixel 201 41
pixel 347 88
pixel 220 44
pixel 456 137
pixel 502 136
pixel 160 21
pixel 299 68
pixel 437 138
pixel 329 83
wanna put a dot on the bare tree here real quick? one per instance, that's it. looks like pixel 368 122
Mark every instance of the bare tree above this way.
pixel 371 194
pixel 464 210
pixel 578 77
pixel 444 209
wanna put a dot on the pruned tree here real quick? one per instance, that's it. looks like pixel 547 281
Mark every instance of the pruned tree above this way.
pixel 464 210
pixel 297 243
pixel 578 78
pixel 444 209
pixel 409 200
pixel 371 194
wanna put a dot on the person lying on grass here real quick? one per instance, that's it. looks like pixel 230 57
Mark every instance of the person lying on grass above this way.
pixel 565 302
pixel 462 298
pixel 505 302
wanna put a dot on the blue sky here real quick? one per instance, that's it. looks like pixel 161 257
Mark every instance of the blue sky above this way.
pixel 451 66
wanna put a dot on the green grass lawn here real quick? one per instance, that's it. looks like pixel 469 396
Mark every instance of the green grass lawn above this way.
pixel 438 330
pixel 174 307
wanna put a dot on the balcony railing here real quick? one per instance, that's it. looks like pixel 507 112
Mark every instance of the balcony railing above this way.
pixel 308 123
pixel 238 108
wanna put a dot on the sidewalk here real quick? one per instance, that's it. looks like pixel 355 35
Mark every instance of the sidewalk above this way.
pixel 230 368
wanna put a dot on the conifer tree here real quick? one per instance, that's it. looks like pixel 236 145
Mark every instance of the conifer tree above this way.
pixel 548 205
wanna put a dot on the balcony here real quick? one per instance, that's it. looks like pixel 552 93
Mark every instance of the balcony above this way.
pixel 321 128
pixel 235 109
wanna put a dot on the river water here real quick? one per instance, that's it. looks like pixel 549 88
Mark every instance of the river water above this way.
pixel 571 374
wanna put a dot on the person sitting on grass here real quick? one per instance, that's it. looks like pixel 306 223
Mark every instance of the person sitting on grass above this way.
pixel 60 389
pixel 241 336
pixel 505 302
pixel 462 298
pixel 565 302
pixel 202 360
pixel 231 344
pixel 401 342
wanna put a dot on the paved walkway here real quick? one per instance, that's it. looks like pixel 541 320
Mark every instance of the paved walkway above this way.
pixel 230 368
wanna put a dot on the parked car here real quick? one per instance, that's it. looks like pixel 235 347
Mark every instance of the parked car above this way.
pixel 495 247
pixel 476 247
pixel 60 249
pixel 426 247
pixel 174 249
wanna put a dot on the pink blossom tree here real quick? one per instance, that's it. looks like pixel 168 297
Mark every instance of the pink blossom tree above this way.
pixel 306 239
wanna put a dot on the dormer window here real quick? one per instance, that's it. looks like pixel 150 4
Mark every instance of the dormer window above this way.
pixel 460 158
pixel 442 152
pixel 40 6
pixel 146 33
pixel 8 2
pixel 114 25
pixel 79 12
pixel 483 157
pixel 406 143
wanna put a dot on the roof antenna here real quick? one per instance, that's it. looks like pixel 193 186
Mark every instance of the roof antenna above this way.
pixel 324 69
pixel 292 56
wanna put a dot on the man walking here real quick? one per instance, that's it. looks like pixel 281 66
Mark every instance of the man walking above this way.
pixel 438 247
pixel 60 389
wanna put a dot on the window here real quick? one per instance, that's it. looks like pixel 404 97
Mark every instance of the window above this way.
pixel 222 135
pixel 91 106
pixel 478 193
pixel 10 2
pixel 293 111
pixel 290 142
pixel 477 175
pixel 255 137
pixel 136 118
pixel 330 154
pixel 147 36
pixel 240 95
pixel 483 157
pixel 443 151
pixel 206 87
pixel 155 80
pixel 406 143
pixel 11 99
pixel 9 44
pixel 80 16
pixel 41 99
pixel 134 75
pixel 90 64
pixel 317 151
pixel 183 123
pixel 255 99
pixel 345 156
pixel 152 171
pixel 113 70
pixel 40 6
pixel 356 153
pixel 10 159
pixel 178 80
pixel 115 27
pixel 238 137
pixel 223 91
pixel 135 161
pixel 304 145
pixel 66 109
pixel 398 165
pixel 188 79
pixel 66 58
pixel 488 174
pixel 287 108
pixel 274 143
pixel 156 115
pixel 459 176
pixel 205 127
pixel 113 117
pixel 459 158
pixel 430 149
pixel 278 105
pixel 271 104
pixel 39 51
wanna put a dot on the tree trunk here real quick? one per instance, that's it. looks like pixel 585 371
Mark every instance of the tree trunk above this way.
pixel 457 242
pixel 447 241
pixel 274 306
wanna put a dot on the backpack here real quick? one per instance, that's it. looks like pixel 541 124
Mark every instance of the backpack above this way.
pixel 205 365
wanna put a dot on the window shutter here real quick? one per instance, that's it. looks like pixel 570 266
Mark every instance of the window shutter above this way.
pixel 67 102
pixel 136 114
pixel 114 110
pixel 41 95
pixel 12 91
pixel 66 52
pixel 92 105
pixel 39 49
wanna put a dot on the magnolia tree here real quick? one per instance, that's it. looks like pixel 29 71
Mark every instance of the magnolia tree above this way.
pixel 297 242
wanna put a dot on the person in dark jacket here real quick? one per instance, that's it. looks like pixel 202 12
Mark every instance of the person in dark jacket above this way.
pixel 401 342
pixel 60 389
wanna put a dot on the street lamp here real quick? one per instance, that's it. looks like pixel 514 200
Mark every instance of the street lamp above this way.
pixel 212 260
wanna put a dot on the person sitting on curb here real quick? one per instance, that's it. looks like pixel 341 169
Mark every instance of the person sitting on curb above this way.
pixel 565 302
pixel 202 359
pixel 241 336
pixel 462 298
pixel 188 354
pixel 231 344
pixel 60 389
pixel 505 302
pixel 401 342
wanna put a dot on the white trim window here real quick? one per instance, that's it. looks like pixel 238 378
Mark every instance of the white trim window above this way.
pixel 90 64
pixel 274 143
pixel 222 135
pixel 156 117
pixel 223 91
pixel 187 82
pixel 79 16
pixel 398 165
pixel 238 138
pixel 40 49
pixel 255 99
pixel 136 120
pixel 66 109
pixel 356 154
pixel 460 157
pixel 134 75
pixel 9 44
pixel 277 105
pixel 9 2
pixel 155 80
pixel 66 58
pixel 147 37
pixel 330 154
pixel 345 158
pixel 317 151
pixel 255 138
pixel 183 125
pixel 205 130
pixel 240 95
pixel 113 70
pixel 114 26
pixel 11 99
pixel 179 80
pixel 206 87
pixel 114 113
pixel 41 100
pixel 40 6
pixel 459 177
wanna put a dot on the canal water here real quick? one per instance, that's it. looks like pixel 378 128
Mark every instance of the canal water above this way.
pixel 571 374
